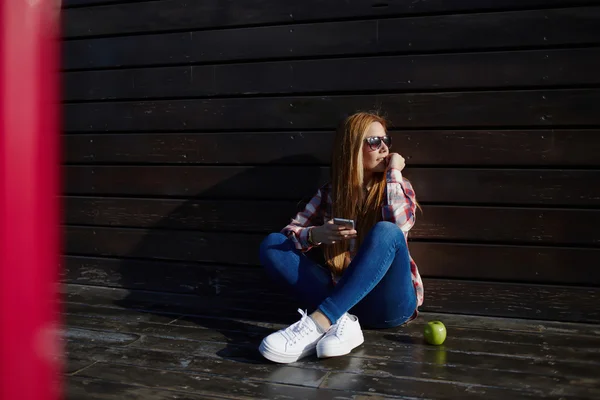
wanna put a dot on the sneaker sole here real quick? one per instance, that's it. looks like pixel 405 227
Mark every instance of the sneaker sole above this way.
pixel 282 358
pixel 339 349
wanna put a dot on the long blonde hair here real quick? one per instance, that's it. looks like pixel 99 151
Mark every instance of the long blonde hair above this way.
pixel 347 182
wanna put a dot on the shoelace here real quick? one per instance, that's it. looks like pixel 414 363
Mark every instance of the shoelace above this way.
pixel 298 329
pixel 339 327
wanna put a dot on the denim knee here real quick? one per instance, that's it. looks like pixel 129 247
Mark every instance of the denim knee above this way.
pixel 386 229
pixel 385 226
pixel 388 234
pixel 272 240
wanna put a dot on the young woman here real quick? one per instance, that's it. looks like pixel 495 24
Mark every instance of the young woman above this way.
pixel 368 270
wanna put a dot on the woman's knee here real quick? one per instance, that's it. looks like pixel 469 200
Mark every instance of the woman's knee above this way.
pixel 272 241
pixel 386 226
pixel 385 230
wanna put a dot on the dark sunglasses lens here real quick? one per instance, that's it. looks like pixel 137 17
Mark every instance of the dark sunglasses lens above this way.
pixel 374 142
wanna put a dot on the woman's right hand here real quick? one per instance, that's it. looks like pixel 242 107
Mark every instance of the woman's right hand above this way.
pixel 329 233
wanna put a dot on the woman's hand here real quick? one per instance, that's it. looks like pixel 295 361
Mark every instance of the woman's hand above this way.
pixel 329 233
pixel 395 160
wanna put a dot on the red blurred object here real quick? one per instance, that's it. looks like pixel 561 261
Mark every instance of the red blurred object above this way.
pixel 29 200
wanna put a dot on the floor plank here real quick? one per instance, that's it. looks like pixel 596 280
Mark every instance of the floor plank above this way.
pixel 77 363
pixel 95 389
pixel 202 360
pixel 100 337
pixel 209 384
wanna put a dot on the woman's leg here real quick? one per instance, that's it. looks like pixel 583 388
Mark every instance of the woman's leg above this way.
pixel 285 264
pixel 393 301
pixel 380 276
pixel 310 282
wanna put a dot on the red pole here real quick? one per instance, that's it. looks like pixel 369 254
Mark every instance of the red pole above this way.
pixel 29 195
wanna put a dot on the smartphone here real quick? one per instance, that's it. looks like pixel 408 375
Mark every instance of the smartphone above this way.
pixel 348 223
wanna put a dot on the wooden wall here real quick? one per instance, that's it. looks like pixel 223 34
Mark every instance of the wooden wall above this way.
pixel 194 128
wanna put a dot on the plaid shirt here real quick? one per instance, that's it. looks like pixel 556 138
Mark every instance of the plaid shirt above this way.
pixel 399 208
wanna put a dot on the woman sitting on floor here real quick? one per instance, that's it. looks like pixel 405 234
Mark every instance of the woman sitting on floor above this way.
pixel 368 270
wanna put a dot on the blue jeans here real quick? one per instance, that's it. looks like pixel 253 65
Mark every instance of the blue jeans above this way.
pixel 377 285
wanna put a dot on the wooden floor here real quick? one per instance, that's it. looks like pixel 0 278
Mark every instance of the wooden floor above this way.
pixel 144 345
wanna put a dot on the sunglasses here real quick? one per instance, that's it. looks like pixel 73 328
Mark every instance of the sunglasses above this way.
pixel 374 142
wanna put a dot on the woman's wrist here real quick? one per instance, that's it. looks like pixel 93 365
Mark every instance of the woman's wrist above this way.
pixel 311 236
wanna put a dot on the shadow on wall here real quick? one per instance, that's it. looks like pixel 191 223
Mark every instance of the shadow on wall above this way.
pixel 208 289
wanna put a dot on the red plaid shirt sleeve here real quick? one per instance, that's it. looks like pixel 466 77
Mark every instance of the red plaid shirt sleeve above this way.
pixel 400 209
pixel 401 205
pixel 297 229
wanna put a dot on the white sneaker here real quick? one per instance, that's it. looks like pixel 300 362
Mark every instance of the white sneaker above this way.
pixel 292 343
pixel 341 338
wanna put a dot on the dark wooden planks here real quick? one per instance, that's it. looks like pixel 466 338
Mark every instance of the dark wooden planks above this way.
pixel 472 261
pixel 508 263
pixel 100 338
pixel 212 385
pixel 206 280
pixel 442 295
pixel 499 224
pixel 577 107
pixel 215 182
pixel 208 148
pixel 508 225
pixel 430 34
pixel 86 3
pixel 393 387
pixel 251 216
pixel 193 360
pixel 174 245
pixel 576 304
pixel 80 388
pixel 534 358
pixel 75 363
pixel 189 349
pixel 543 147
pixel 508 329
pixel 386 46
pixel 469 333
pixel 416 363
pixel 440 185
pixel 545 265
pixel 156 303
pixel 117 314
pixel 206 384
pixel 411 73
pixel 178 14
pixel 538 302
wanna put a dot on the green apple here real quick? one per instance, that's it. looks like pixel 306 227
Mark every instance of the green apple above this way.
pixel 435 332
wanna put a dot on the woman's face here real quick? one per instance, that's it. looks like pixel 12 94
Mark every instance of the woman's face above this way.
pixel 375 159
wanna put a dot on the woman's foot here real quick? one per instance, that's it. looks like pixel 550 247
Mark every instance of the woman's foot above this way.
pixel 343 337
pixel 292 343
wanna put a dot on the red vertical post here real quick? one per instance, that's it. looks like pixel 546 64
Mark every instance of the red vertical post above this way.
pixel 29 200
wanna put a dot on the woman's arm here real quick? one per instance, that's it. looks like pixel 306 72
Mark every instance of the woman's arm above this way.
pixel 298 229
pixel 401 200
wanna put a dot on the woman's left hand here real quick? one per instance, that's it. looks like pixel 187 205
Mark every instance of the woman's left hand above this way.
pixel 396 161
